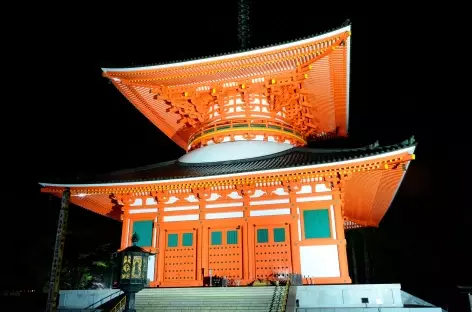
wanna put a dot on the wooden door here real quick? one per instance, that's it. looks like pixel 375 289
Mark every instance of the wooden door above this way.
pixel 180 256
pixel 272 252
pixel 225 256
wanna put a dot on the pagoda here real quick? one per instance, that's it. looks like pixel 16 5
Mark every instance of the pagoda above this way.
pixel 248 199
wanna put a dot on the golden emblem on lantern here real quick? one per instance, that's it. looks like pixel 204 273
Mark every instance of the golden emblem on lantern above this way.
pixel 137 269
pixel 126 268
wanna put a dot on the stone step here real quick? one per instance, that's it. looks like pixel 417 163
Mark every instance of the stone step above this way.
pixel 261 288
pixel 214 289
pixel 188 304
pixel 216 294
pixel 212 299
pixel 186 295
pixel 199 299
pixel 209 296
pixel 204 297
pixel 260 306
pixel 202 304
pixel 201 310
pixel 253 309
pixel 196 302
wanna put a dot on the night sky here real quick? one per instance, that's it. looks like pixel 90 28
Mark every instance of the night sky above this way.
pixel 62 118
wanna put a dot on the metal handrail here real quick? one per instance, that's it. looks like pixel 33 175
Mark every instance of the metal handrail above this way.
pixel 281 298
pixel 92 306
pixel 274 297
pixel 120 306
pixel 285 299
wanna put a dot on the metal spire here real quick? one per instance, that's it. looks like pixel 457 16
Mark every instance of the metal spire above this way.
pixel 243 23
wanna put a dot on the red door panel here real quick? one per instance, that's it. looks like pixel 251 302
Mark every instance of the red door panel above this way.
pixel 225 254
pixel 180 257
pixel 272 255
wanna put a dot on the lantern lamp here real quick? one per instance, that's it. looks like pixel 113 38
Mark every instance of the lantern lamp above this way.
pixel 133 271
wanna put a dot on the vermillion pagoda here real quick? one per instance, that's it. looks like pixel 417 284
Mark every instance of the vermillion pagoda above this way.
pixel 248 200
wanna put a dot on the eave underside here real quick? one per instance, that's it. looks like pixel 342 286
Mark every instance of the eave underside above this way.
pixel 368 192
pixel 368 196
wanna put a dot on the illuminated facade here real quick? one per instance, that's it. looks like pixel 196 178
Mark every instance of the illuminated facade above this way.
pixel 248 200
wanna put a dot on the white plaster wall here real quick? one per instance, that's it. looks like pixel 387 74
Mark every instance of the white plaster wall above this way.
pixel 151 201
pixel 270 212
pixel 151 266
pixel 313 198
pixel 190 217
pixel 143 210
pixel 233 151
pixel 269 202
pixel 232 204
pixel 224 215
pixel 181 208
pixel 137 202
pixel 319 261
pixel 321 188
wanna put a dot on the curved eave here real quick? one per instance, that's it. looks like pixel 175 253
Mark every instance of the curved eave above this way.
pixel 100 203
pixel 232 55
pixel 368 194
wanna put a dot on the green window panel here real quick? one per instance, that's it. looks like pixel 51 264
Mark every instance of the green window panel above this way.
pixel 279 235
pixel 144 231
pixel 232 237
pixel 172 240
pixel 262 235
pixel 216 238
pixel 316 223
pixel 187 239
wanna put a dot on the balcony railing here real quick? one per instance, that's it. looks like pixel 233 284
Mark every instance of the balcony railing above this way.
pixel 263 126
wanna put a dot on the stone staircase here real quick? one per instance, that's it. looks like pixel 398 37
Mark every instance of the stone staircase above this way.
pixel 263 299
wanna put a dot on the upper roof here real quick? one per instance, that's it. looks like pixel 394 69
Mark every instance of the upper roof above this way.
pixel 234 54
pixel 327 83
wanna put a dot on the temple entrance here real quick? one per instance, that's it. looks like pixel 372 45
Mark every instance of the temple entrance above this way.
pixel 180 256
pixel 225 257
pixel 272 253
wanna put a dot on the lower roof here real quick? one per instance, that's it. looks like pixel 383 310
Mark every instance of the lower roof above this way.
pixel 368 192
pixel 291 158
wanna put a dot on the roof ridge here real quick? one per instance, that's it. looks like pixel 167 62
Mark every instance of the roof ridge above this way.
pixel 141 168
pixel 331 150
pixel 405 143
